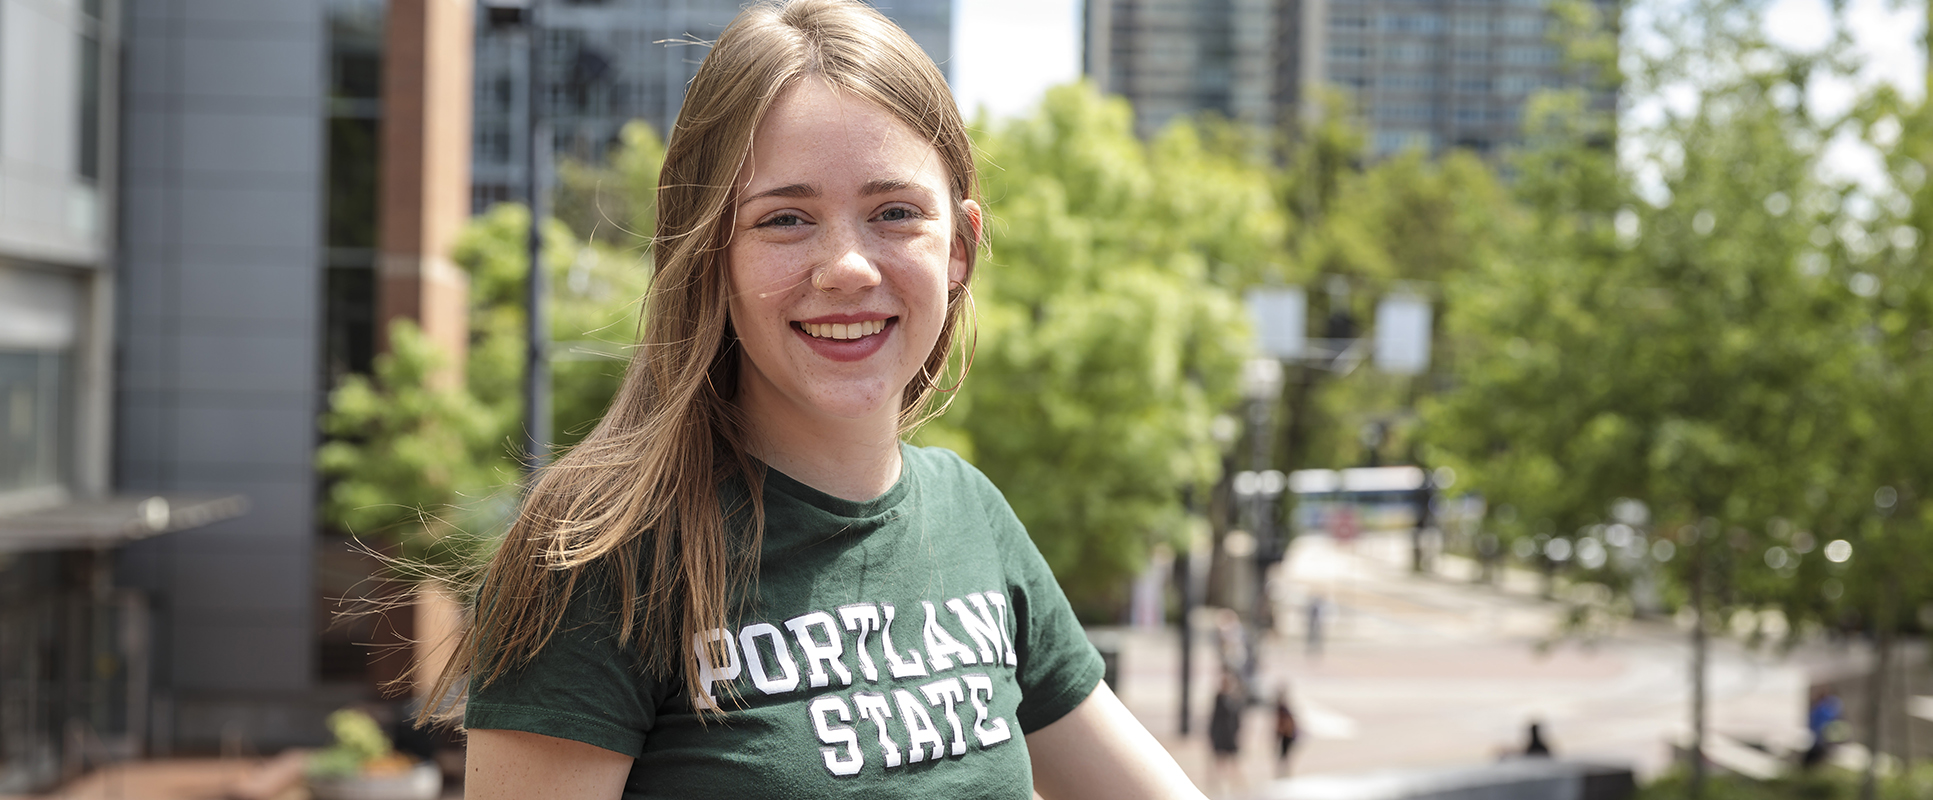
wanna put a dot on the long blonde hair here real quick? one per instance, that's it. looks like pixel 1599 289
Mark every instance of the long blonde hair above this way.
pixel 635 508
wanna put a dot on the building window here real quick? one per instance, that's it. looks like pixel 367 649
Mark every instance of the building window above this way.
pixel 88 148
pixel 492 141
pixel 1529 56
pixel 1409 82
pixel 1412 53
pixel 1420 113
pixel 1396 141
pixel 354 126
pixel 1522 25
pixel 354 181
pixel 1517 84
pixel 349 335
pixel 485 195
pixel 1413 23
pixel 33 393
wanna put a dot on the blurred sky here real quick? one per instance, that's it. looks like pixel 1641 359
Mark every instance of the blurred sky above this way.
pixel 1887 33
pixel 1889 36
pixel 1006 53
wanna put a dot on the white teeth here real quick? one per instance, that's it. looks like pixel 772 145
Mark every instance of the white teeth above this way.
pixel 839 330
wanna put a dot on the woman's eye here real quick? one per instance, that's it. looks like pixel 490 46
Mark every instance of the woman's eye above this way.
pixel 897 214
pixel 782 221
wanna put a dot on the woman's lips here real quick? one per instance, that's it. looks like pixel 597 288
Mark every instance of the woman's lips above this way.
pixel 845 340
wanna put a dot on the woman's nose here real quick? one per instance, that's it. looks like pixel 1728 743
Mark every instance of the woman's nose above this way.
pixel 850 269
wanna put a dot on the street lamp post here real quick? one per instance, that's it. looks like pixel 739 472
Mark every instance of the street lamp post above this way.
pixel 1262 385
pixel 522 15
pixel 536 316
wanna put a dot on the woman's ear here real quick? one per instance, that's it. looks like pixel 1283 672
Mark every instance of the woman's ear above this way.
pixel 961 266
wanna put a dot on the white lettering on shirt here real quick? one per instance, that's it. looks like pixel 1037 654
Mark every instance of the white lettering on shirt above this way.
pixel 835 736
pixel 941 647
pixel 946 694
pixel 706 645
pixel 819 654
pixel 980 624
pixel 874 709
pixel 863 619
pixel 755 662
pixel 978 687
pixel 907 667
pixel 920 731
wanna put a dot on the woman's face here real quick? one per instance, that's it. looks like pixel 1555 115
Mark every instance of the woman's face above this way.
pixel 840 259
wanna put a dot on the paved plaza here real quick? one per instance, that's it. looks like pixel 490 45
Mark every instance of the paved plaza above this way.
pixel 1429 671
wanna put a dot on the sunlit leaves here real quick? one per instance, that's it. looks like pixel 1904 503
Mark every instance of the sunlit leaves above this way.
pixel 1110 329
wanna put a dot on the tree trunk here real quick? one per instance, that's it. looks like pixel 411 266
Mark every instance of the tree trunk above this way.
pixel 1699 643
pixel 1876 703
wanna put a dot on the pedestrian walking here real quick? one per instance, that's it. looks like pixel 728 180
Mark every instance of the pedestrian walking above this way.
pixel 742 582
pixel 1225 735
pixel 1821 715
pixel 1312 631
pixel 1285 731
pixel 1536 747
pixel 1233 645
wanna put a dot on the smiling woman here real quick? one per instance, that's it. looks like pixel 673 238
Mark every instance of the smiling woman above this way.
pixel 742 583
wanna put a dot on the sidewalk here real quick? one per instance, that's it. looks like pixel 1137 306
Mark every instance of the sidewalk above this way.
pixel 166 779
pixel 1428 671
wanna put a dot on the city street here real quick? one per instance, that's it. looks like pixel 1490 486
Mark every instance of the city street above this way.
pixel 1424 671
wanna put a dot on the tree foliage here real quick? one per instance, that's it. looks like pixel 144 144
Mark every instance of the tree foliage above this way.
pixel 408 461
pixel 1109 329
pixel 1716 326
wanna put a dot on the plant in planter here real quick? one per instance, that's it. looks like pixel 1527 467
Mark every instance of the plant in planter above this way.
pixel 362 765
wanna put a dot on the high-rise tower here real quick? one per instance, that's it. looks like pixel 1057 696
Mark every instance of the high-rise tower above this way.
pixel 607 62
pixel 1430 74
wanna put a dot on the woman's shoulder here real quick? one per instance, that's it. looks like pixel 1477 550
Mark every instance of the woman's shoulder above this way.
pixel 940 460
pixel 946 468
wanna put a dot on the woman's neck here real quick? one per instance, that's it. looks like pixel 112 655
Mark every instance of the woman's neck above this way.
pixel 855 461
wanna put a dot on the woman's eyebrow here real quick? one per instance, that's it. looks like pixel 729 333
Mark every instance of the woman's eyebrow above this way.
pixel 868 189
pixel 788 190
pixel 884 185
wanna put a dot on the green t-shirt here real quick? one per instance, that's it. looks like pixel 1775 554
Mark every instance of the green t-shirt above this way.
pixel 898 647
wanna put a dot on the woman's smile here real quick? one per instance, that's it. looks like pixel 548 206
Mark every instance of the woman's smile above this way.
pixel 846 337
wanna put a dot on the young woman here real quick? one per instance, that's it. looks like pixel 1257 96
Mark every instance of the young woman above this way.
pixel 742 584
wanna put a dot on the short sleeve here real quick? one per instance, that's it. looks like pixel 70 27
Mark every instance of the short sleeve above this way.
pixel 1058 666
pixel 581 686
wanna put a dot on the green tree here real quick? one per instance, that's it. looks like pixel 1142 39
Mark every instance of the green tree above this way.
pixel 1109 331
pixel 1688 332
pixel 411 462
pixel 1879 267
pixel 615 203
pixel 402 450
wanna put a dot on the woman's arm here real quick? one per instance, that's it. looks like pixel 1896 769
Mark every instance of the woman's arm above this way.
pixel 1099 750
pixel 515 765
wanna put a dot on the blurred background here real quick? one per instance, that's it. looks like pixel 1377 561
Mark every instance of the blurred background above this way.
pixel 1438 385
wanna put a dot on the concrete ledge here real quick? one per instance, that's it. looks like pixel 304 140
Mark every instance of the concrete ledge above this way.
pixel 1516 779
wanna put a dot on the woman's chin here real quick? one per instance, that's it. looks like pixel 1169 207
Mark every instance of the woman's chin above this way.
pixel 884 406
